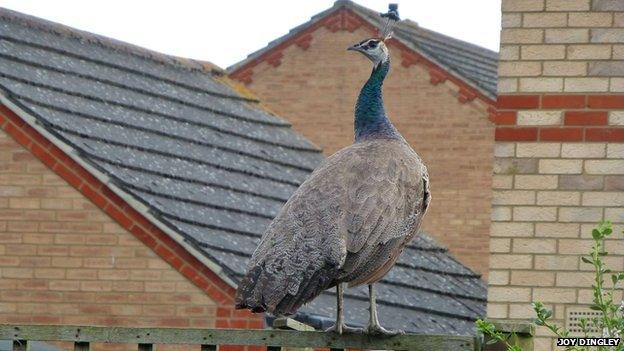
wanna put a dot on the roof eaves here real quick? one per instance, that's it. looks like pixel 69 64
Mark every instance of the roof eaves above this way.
pixel 291 34
pixel 491 97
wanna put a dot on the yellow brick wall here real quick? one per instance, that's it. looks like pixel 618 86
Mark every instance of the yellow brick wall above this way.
pixel 562 46
pixel 63 261
pixel 316 90
pixel 559 59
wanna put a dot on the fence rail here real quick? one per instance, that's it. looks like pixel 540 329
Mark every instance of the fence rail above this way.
pixel 211 339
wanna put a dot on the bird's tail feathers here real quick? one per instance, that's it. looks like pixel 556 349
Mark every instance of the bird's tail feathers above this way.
pixel 261 291
pixel 249 292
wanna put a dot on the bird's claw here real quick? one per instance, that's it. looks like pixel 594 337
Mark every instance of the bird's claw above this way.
pixel 379 330
pixel 344 329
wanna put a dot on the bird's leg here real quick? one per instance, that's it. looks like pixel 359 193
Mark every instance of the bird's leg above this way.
pixel 340 327
pixel 373 324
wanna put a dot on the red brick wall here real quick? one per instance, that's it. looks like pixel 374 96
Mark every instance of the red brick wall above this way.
pixel 315 87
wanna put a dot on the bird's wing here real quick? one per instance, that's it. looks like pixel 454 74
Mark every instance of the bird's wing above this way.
pixel 387 193
pixel 303 248
pixel 361 197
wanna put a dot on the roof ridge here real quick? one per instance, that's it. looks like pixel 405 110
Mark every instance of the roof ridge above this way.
pixel 143 91
pixel 415 26
pixel 56 28
pixel 128 69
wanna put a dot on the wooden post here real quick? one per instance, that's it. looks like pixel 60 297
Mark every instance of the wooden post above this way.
pixel 285 323
pixel 81 346
pixel 20 345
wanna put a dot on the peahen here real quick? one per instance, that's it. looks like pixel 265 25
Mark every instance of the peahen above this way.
pixel 350 220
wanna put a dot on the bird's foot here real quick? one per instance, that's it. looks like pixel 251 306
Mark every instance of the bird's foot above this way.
pixel 344 329
pixel 376 329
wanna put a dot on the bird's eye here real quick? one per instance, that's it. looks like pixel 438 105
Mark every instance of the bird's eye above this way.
pixel 373 44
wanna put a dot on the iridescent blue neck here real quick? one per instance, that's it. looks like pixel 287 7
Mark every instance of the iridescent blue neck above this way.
pixel 370 117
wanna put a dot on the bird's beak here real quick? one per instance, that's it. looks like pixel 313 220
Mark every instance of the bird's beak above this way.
pixel 353 48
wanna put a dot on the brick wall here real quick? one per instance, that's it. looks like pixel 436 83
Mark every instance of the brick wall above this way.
pixel 559 151
pixel 315 83
pixel 65 260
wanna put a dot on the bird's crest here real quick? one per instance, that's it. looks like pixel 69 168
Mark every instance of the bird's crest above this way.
pixel 392 17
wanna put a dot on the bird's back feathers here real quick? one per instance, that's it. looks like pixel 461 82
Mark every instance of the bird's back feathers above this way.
pixel 347 223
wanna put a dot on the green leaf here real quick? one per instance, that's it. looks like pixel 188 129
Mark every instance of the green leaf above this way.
pixel 596 234
pixel 586 260
pixel 595 308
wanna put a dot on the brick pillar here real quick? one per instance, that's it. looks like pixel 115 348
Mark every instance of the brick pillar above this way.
pixel 559 155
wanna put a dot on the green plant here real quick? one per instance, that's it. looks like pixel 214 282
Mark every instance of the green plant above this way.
pixel 489 329
pixel 610 321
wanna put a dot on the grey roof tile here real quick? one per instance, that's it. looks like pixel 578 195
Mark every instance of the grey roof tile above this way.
pixel 206 162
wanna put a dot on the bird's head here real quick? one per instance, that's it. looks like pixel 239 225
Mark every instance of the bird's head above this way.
pixel 374 49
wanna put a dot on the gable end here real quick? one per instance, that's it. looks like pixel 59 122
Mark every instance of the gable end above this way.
pixel 343 18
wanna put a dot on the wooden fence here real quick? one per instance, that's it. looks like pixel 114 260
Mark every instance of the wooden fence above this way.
pixel 211 339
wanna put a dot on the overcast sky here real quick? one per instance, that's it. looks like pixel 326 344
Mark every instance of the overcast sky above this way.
pixel 224 32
